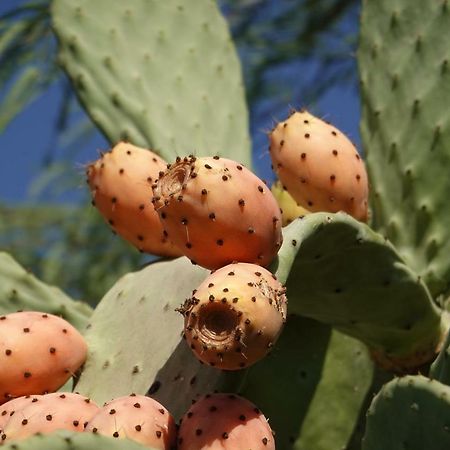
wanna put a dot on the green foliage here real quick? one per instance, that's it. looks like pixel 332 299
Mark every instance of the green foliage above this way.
pixel 404 66
pixel 409 413
pixel 340 272
pixel 67 245
pixel 315 379
pixel 65 440
pixel 20 290
pixel 26 64
pixel 181 93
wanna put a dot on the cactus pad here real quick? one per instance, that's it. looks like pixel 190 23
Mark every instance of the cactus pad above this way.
pixel 404 64
pixel 324 379
pixel 350 277
pixel 409 413
pixel 135 340
pixel 21 290
pixel 161 74
pixel 440 369
pixel 65 440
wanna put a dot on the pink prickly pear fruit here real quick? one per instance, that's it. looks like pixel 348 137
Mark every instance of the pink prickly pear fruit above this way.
pixel 224 422
pixel 48 413
pixel 13 406
pixel 218 212
pixel 136 417
pixel 235 316
pixel 289 208
pixel 319 166
pixel 39 353
pixel 120 183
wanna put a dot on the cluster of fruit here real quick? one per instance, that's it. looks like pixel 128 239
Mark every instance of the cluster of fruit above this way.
pixel 223 217
pixel 42 352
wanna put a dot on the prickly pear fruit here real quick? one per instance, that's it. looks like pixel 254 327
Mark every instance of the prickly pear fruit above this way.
pixel 218 212
pixel 235 316
pixel 319 166
pixel 136 417
pixel 39 352
pixel 10 408
pixel 222 422
pixel 48 413
pixel 120 183
pixel 289 208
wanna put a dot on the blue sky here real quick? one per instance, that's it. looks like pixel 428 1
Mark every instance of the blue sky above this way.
pixel 26 140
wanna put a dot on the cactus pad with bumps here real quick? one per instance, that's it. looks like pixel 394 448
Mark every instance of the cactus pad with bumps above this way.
pixel 21 290
pixel 404 65
pixel 161 74
pixel 135 340
pixel 324 379
pixel 66 440
pixel 350 277
pixel 409 413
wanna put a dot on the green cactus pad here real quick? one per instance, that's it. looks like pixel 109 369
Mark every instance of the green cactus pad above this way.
pixel 410 413
pixel 440 369
pixel 346 275
pixel 161 74
pixel 404 64
pixel 313 380
pixel 135 340
pixel 21 290
pixel 66 440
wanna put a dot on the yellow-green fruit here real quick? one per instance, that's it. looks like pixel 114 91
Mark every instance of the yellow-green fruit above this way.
pixel 289 208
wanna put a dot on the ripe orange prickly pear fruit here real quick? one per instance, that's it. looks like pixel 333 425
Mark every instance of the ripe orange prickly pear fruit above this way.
pixel 120 183
pixel 217 212
pixel 289 208
pixel 39 352
pixel 224 422
pixel 48 413
pixel 136 417
pixel 12 406
pixel 235 316
pixel 319 166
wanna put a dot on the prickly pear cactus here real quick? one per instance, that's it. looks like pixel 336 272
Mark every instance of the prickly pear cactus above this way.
pixel 64 440
pixel 21 290
pixel 411 413
pixel 405 74
pixel 319 378
pixel 162 74
pixel 135 340
pixel 350 277
pixel 440 369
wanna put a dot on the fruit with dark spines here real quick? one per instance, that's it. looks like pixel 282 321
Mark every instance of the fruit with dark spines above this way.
pixel 39 353
pixel 48 413
pixel 211 228
pixel 319 166
pixel 222 422
pixel 136 417
pixel 235 316
pixel 11 407
pixel 120 183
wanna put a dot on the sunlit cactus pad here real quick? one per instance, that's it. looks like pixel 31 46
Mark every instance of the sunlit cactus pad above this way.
pixel 339 271
pixel 405 75
pixel 161 74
